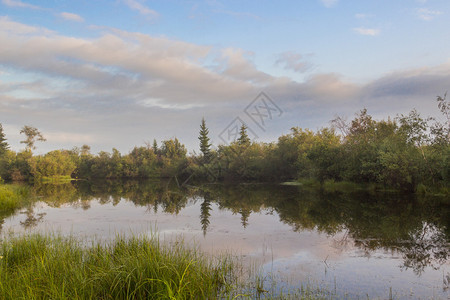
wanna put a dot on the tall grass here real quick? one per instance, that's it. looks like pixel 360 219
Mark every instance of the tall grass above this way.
pixel 53 267
pixel 12 197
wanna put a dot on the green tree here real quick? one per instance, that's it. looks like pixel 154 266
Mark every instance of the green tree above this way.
pixel 32 136
pixel 205 146
pixel 155 146
pixel 243 139
pixel 85 150
pixel 173 158
pixel 3 144
pixel 53 164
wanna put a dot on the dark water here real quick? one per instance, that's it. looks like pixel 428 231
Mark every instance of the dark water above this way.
pixel 355 244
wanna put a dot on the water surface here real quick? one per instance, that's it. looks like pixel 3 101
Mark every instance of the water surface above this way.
pixel 355 244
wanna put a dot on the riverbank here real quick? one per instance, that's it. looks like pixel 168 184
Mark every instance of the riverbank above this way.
pixel 53 267
pixel 12 197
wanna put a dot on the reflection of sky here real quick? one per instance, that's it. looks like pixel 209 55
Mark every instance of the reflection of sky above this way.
pixel 293 257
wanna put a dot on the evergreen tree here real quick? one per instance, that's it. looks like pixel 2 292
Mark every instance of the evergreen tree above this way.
pixel 204 140
pixel 243 139
pixel 155 146
pixel 3 144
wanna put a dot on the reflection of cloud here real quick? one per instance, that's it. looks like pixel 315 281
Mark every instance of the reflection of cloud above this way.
pixel 427 14
pixel 71 17
pixel 367 31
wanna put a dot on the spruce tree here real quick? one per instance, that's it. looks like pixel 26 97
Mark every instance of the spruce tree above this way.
pixel 205 146
pixel 243 139
pixel 155 146
pixel 3 144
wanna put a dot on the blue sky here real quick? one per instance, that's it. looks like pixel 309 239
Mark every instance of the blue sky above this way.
pixel 120 73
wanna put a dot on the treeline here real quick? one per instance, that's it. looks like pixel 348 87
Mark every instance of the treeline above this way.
pixel 403 153
pixel 168 160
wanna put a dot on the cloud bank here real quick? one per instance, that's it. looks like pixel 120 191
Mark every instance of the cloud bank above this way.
pixel 122 88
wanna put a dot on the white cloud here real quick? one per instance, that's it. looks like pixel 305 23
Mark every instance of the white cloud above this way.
pixel 427 14
pixel 329 3
pixel 17 3
pixel 71 17
pixel 362 16
pixel 68 137
pixel 142 9
pixel 123 88
pixel 367 31
pixel 293 61
pixel 9 26
pixel 237 14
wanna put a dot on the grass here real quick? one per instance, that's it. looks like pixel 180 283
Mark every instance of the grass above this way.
pixel 12 197
pixel 56 179
pixel 343 186
pixel 53 267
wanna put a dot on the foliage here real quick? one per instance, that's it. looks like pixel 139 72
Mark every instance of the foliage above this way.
pixel 400 153
pixel 33 135
pixel 205 146
pixel 3 143
pixel 12 197
pixel 56 163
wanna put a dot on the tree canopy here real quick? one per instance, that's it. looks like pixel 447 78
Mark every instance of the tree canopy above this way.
pixel 32 135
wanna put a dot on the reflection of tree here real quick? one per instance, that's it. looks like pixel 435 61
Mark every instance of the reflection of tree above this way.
pixel 205 209
pixel 426 247
pixel 388 221
pixel 245 213
pixel 56 194
pixel 416 228
pixel 150 194
pixel 413 229
pixel 32 219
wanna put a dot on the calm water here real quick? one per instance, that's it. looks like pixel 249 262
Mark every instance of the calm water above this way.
pixel 354 244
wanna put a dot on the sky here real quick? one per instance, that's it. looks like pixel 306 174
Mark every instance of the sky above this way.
pixel 120 73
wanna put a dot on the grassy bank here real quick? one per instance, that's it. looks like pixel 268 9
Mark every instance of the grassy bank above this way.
pixel 55 267
pixel 45 267
pixel 12 197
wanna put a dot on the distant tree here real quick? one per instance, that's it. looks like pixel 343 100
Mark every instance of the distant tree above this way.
pixel 32 136
pixel 205 146
pixel 3 144
pixel 155 146
pixel 441 130
pixel 243 139
pixel 54 163
pixel 173 149
pixel 85 150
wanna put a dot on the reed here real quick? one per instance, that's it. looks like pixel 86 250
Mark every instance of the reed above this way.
pixel 55 267
pixel 13 197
